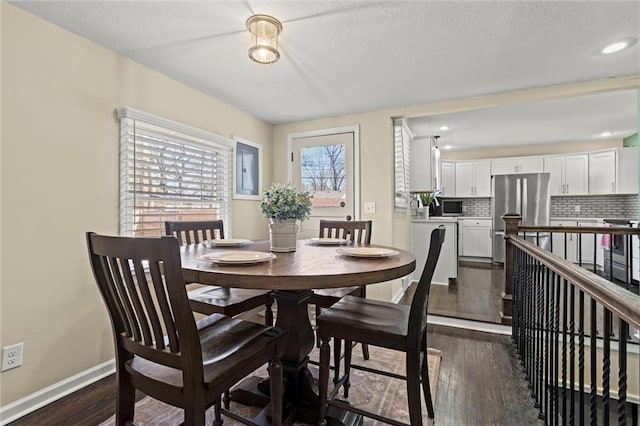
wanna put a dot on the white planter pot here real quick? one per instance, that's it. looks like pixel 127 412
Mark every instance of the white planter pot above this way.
pixel 283 234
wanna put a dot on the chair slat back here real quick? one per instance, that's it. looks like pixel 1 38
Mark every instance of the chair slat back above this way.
pixel 418 313
pixel 195 231
pixel 358 231
pixel 141 282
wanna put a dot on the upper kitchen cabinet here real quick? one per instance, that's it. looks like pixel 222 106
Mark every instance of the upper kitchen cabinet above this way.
pixel 507 166
pixel 568 174
pixel 627 170
pixel 448 175
pixel 614 171
pixel 473 178
pixel 602 172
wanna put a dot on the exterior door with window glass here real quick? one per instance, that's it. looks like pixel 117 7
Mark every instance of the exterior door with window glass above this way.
pixel 324 166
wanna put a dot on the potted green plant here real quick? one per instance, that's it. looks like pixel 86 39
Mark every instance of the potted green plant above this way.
pixel 284 205
pixel 428 198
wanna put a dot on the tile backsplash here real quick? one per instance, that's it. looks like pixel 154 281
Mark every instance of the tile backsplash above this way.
pixel 597 206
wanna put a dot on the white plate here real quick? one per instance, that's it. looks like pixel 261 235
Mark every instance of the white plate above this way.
pixel 367 252
pixel 237 257
pixel 328 241
pixel 228 242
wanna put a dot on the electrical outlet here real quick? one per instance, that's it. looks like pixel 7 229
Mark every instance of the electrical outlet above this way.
pixel 11 356
pixel 370 207
pixel 576 209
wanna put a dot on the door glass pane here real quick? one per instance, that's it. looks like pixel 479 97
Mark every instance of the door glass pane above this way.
pixel 323 174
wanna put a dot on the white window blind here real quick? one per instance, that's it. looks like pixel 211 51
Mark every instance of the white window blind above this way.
pixel 169 171
pixel 402 153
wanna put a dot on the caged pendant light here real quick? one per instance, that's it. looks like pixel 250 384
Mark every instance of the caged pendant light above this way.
pixel 264 31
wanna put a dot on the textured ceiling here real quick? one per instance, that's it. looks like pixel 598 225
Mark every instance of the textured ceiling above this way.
pixel 341 57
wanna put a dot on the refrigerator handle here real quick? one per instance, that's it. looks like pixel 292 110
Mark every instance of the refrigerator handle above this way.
pixel 518 197
pixel 524 200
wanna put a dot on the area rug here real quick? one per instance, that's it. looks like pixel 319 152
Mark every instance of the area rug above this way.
pixel 371 392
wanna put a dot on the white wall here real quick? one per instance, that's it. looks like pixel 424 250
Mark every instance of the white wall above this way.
pixel 59 179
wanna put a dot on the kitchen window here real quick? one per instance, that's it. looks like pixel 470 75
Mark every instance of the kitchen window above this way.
pixel 170 171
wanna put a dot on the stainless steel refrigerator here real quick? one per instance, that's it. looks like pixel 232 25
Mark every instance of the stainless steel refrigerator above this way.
pixel 526 194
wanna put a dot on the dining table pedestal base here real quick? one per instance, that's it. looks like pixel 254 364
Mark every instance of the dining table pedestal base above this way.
pixel 301 399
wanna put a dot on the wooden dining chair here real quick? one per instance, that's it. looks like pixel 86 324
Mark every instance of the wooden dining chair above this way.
pixel 160 348
pixel 214 299
pixel 389 325
pixel 358 231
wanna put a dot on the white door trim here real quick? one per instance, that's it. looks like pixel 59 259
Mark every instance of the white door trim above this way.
pixel 355 129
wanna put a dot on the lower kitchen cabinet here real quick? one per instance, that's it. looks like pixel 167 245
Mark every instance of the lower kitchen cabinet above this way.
pixel 564 245
pixel 476 238
pixel 447 266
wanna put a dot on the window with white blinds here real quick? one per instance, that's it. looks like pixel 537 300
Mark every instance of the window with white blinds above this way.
pixel 402 152
pixel 170 171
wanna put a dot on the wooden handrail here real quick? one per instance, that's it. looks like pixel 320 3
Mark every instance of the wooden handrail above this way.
pixel 621 302
pixel 613 230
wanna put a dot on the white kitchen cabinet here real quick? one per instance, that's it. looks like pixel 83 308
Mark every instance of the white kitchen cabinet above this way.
pixel 635 255
pixel 602 172
pixel 476 238
pixel 448 174
pixel 565 247
pixel 473 178
pixel 568 174
pixel 627 170
pixel 447 266
pixel 506 166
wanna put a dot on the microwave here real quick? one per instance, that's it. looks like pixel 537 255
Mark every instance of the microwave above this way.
pixel 451 207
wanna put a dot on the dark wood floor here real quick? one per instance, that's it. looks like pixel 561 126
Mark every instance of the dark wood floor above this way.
pixel 479 384
pixel 476 296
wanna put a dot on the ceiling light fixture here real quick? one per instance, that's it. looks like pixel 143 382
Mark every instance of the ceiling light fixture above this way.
pixel 619 45
pixel 447 147
pixel 605 134
pixel 264 31
pixel 444 127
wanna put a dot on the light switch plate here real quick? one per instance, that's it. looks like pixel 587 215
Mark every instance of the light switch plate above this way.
pixel 370 207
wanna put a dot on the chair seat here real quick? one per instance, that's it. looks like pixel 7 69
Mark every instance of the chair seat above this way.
pixel 326 297
pixel 209 300
pixel 377 323
pixel 226 343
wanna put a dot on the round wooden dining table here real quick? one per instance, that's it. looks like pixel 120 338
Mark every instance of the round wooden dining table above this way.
pixel 292 275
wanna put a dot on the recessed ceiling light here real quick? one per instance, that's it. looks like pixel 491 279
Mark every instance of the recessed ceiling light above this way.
pixel 447 147
pixel 605 134
pixel 444 127
pixel 619 45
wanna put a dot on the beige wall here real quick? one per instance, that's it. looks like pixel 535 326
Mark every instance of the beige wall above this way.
pixel 59 178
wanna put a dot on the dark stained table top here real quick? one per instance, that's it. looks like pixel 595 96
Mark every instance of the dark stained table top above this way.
pixel 310 266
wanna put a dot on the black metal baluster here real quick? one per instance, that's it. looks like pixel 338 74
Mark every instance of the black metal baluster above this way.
pixel 555 334
pixel 547 359
pixel 593 402
pixel 622 373
pixel 539 340
pixel 579 249
pixel 581 355
pixel 572 354
pixel 606 365
pixel 564 306
pixel 595 241
pixel 527 321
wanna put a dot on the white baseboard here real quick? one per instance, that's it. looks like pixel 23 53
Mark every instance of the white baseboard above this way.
pixel 39 399
pixel 469 325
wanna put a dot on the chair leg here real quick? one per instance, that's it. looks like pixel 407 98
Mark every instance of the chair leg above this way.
pixel 323 379
pixel 413 388
pixel 348 349
pixel 426 386
pixel 318 312
pixel 268 315
pixel 337 348
pixel 275 380
pixel 126 401
pixel 365 351
pixel 217 421
pixel 194 414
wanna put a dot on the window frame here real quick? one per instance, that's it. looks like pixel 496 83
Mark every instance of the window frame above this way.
pixel 186 136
